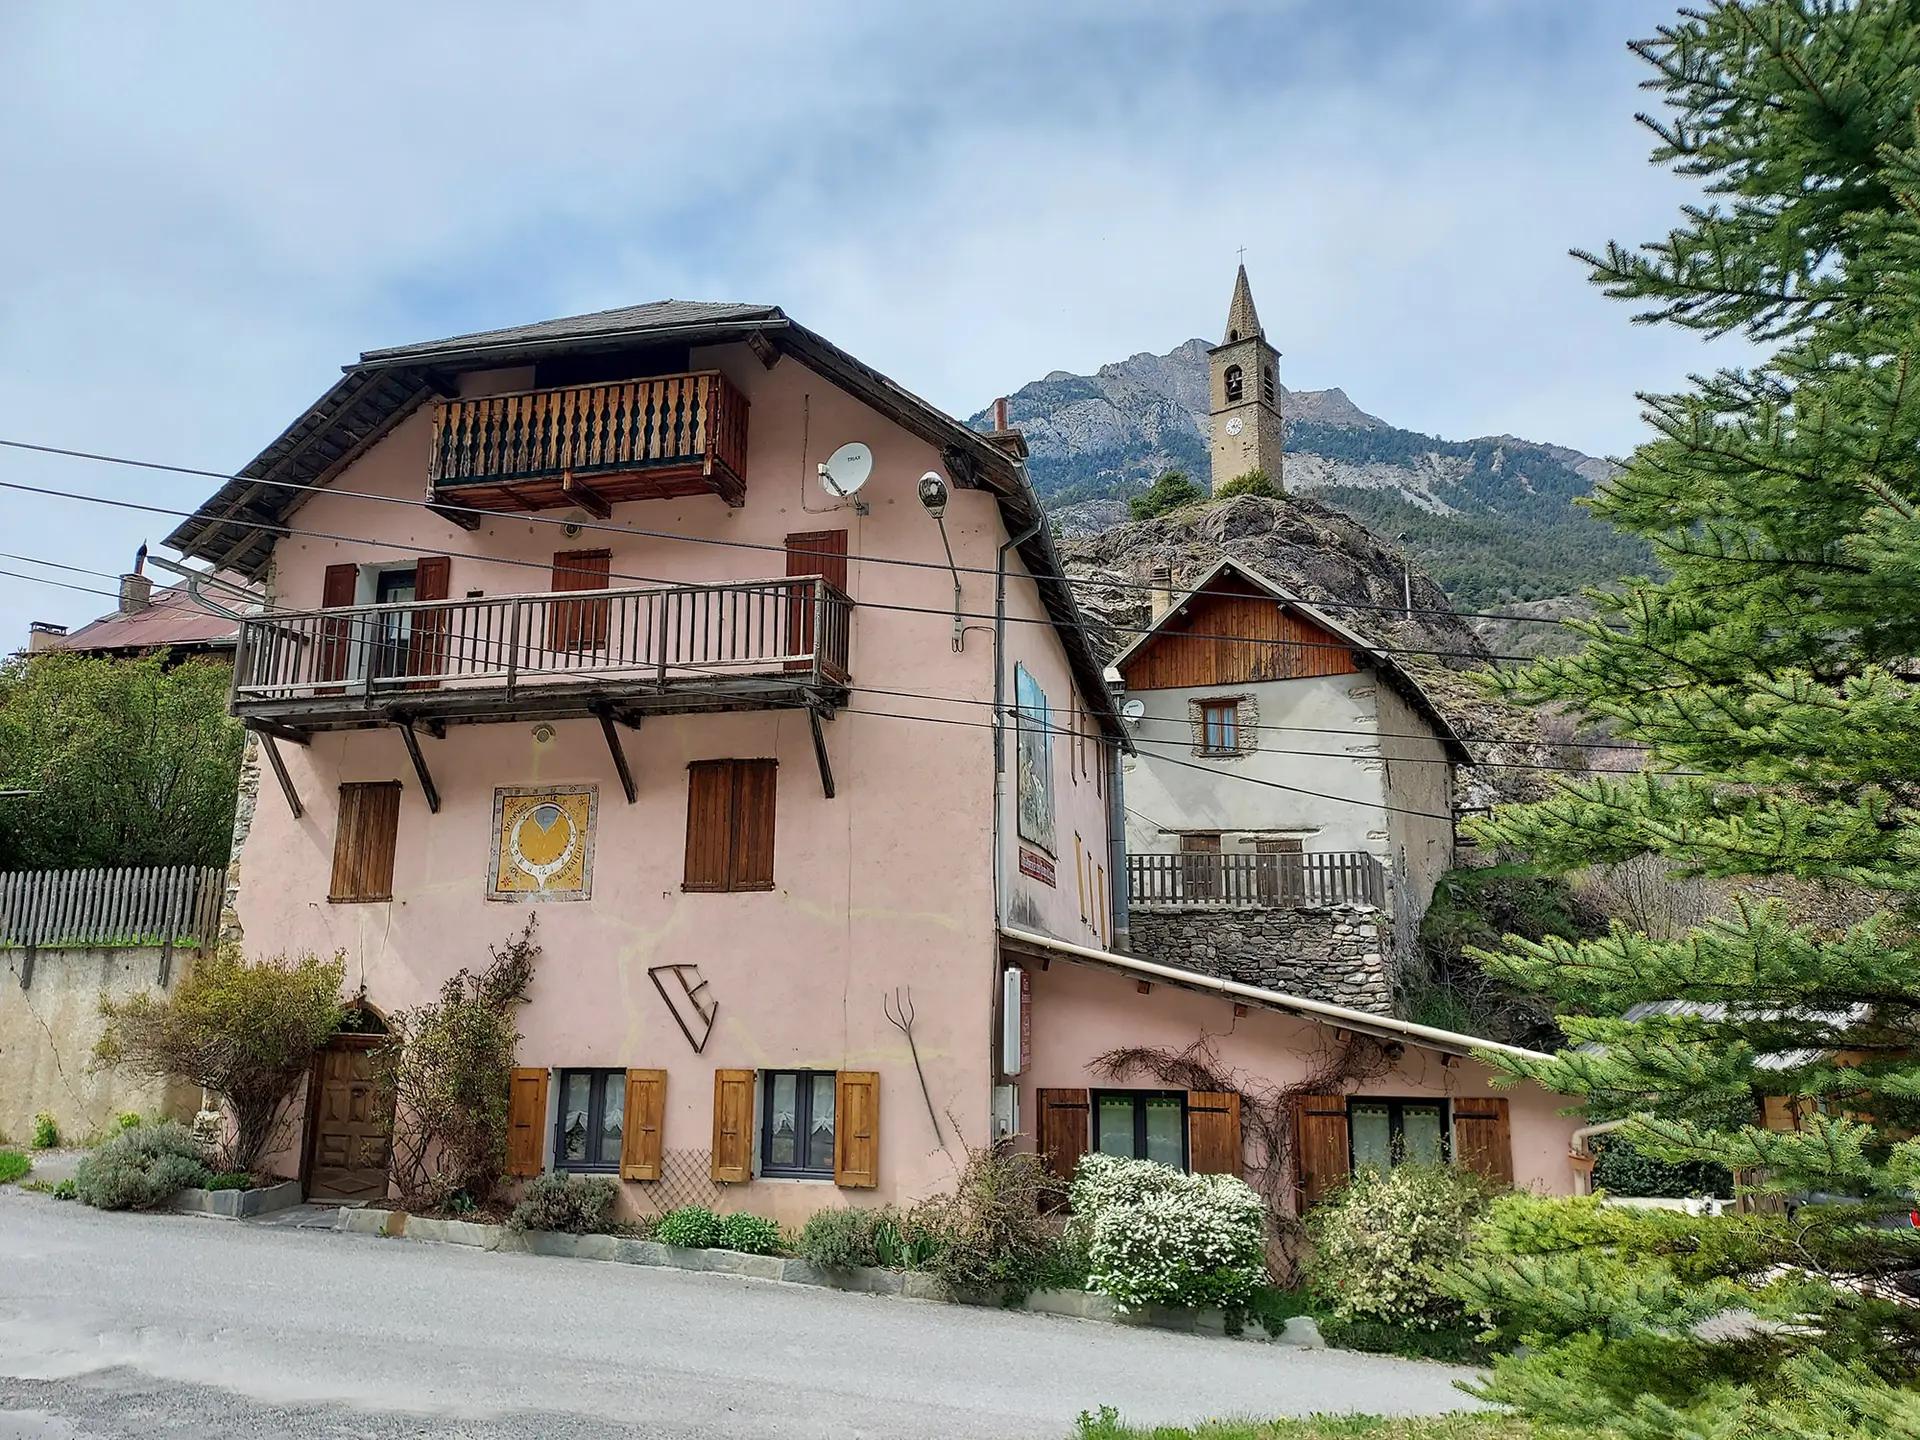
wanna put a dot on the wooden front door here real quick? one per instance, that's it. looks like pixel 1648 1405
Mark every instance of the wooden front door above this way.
pixel 347 1138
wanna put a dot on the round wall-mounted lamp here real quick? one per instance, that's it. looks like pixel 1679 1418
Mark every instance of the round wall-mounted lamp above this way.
pixel 933 494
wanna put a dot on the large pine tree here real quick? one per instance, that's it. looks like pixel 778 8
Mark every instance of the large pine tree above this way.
pixel 1773 676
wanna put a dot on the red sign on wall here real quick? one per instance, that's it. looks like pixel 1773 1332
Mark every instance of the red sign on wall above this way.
pixel 1035 865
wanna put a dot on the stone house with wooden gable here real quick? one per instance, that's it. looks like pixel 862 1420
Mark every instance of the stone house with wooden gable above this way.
pixel 1290 805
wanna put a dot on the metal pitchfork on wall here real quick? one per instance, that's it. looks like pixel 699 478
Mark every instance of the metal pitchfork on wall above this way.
pixel 899 1010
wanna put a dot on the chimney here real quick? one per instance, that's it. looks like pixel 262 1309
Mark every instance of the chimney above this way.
pixel 1161 579
pixel 44 635
pixel 136 593
pixel 1003 435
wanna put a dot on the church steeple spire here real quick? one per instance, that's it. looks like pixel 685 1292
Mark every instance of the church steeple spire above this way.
pixel 1243 321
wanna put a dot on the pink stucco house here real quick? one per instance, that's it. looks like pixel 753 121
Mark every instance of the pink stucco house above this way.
pixel 809 774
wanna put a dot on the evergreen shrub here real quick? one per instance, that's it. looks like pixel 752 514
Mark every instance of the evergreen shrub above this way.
pixel 1156 1236
pixel 141 1168
pixel 567 1204
pixel 839 1238
pixel 693 1227
pixel 1384 1243
pixel 1619 1169
pixel 751 1235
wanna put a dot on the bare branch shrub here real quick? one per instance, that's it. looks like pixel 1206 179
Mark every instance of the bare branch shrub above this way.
pixel 245 1032
pixel 447 1080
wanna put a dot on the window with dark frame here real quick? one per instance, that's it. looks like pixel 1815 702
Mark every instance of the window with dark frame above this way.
pixel 588 1130
pixel 1220 727
pixel 1142 1125
pixel 1385 1132
pixel 796 1124
pixel 1235 384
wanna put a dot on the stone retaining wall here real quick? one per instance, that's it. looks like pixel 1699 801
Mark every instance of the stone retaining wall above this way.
pixel 1342 955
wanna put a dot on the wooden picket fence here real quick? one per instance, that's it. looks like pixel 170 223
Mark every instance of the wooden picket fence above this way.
pixel 160 905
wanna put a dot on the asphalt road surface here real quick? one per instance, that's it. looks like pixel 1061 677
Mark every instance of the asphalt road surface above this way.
pixel 174 1326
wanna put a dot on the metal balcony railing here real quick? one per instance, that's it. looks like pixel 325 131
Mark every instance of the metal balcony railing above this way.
pixel 746 643
pixel 1290 881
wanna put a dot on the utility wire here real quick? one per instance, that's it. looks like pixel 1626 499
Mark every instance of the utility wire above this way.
pixel 610 527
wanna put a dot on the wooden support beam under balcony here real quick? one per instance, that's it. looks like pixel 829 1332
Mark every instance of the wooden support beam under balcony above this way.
pixel 592 445
pixel 752 645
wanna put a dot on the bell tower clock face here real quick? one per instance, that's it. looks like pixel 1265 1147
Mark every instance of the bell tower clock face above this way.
pixel 1235 425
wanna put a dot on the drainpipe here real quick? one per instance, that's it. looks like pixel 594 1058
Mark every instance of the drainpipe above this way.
pixel 1581 1153
pixel 1117 848
pixel 1000 717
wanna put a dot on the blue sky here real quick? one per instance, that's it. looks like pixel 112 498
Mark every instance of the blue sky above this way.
pixel 207 212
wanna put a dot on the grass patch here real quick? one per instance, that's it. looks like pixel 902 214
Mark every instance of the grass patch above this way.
pixel 13 1165
pixel 1461 1425
pixel 230 1180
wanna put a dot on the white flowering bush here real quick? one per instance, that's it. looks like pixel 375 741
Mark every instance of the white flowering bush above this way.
pixel 1382 1245
pixel 1156 1236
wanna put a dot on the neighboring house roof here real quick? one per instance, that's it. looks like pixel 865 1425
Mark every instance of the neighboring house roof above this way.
pixel 170 621
pixel 1715 1010
pixel 1380 659
pixel 236 528
pixel 1364 1022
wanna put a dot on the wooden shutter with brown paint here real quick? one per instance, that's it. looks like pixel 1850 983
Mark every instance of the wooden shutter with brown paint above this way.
pixel 1213 1132
pixel 579 624
pixel 427 636
pixel 814 552
pixel 750 862
pixel 856 1129
pixel 1065 1119
pixel 363 842
pixel 640 1135
pixel 330 656
pixel 732 1126
pixel 1322 1160
pixel 527 1122
pixel 730 824
pixel 1483 1138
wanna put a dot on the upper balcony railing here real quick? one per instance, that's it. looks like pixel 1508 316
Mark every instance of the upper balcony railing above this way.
pixel 1289 881
pixel 754 644
pixel 592 445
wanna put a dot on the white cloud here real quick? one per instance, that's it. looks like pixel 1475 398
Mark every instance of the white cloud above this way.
pixel 207 216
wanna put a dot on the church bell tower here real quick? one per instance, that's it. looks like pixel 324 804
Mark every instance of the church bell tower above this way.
pixel 1245 390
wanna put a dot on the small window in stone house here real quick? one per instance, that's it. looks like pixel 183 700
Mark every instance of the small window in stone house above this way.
pixel 1220 727
pixel 1386 1133
pixel 1266 383
pixel 1141 1125
pixel 1236 383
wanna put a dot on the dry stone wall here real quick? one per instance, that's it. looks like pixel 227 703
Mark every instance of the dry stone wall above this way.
pixel 1342 955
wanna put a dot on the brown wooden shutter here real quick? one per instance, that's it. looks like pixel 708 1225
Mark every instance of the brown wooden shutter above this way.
pixel 579 624
pixel 330 655
pixel 427 636
pixel 640 1135
pixel 709 824
pixel 1213 1132
pixel 363 842
pixel 1065 1120
pixel 856 1129
pixel 527 1122
pixel 755 783
pixel 1321 1158
pixel 819 552
pixel 732 1126
pixel 1483 1138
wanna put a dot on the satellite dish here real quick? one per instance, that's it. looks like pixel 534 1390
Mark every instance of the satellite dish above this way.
pixel 1133 712
pixel 847 469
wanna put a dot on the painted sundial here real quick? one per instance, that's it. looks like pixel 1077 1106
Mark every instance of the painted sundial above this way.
pixel 543 843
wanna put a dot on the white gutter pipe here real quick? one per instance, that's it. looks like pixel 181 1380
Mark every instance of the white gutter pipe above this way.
pixel 1581 1153
pixel 1362 1020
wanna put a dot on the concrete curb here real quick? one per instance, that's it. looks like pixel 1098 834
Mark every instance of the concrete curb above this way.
pixel 237 1204
pixel 907 1285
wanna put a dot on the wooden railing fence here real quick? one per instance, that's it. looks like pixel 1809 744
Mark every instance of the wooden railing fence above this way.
pixel 163 905
pixel 1290 881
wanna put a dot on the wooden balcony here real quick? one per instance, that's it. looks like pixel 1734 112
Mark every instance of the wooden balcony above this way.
pixel 1293 882
pixel 753 645
pixel 592 445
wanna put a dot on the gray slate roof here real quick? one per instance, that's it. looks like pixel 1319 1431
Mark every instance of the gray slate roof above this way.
pixel 656 320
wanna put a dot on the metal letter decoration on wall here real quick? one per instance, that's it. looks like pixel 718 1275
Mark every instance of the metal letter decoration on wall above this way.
pixel 543 842
pixel 1034 754
pixel 689 985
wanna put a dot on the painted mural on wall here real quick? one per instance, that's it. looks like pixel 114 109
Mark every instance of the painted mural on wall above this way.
pixel 543 842
pixel 1034 754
